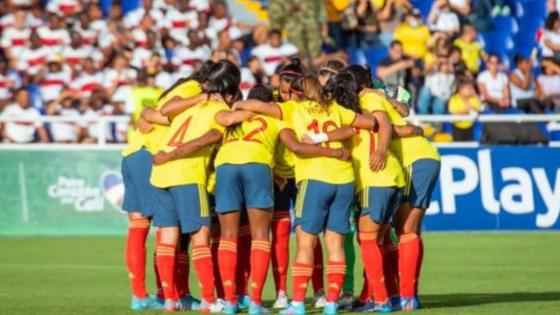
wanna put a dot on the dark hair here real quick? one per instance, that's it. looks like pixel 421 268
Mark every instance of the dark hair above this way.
pixel 332 67
pixel 343 88
pixel 550 20
pixel 224 79
pixel 291 71
pixel 200 75
pixel 519 59
pixel 274 31
pixel 493 55
pixel 395 43
pixel 362 75
pixel 262 93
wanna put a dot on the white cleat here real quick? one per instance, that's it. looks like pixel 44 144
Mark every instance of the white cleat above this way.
pixel 281 301
pixel 319 300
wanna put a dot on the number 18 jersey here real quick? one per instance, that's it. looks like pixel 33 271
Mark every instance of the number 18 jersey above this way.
pixel 310 117
pixel 189 125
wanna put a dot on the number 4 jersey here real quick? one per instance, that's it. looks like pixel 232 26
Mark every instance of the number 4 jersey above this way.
pixel 189 125
pixel 310 117
pixel 253 141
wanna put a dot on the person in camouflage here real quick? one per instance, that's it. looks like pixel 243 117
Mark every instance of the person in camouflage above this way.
pixel 302 20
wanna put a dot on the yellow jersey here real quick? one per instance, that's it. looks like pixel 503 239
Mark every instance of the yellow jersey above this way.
pixel 310 117
pixel 409 149
pixel 458 106
pixel 152 140
pixel 253 141
pixel 363 146
pixel 189 125
pixel 413 39
pixel 470 53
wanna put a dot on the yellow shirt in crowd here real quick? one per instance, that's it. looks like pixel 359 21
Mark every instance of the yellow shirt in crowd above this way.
pixel 414 39
pixel 458 106
pixel 470 52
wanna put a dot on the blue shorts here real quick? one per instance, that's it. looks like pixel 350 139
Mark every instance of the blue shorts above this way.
pixel 243 186
pixel 380 203
pixel 321 206
pixel 136 171
pixel 421 178
pixel 186 206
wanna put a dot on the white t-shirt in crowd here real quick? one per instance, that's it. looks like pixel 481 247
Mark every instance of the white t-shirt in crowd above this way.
pixel 53 83
pixel 554 37
pixel 87 83
pixel 200 5
pixel 92 127
pixel 247 81
pixel 120 81
pixel 75 56
pixel 447 21
pixel 441 85
pixel 133 18
pixel 141 55
pixel 32 61
pixel 225 23
pixel 519 94
pixel 65 131
pixel 8 82
pixel 22 130
pixel 178 23
pixel 494 85
pixel 550 84
pixel 63 7
pixel 53 39
pixel 272 57
pixel 185 57
pixel 15 40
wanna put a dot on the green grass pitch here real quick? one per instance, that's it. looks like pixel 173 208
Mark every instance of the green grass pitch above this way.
pixel 463 274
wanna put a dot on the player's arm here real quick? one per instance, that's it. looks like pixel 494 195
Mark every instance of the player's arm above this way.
pixel 154 116
pixel 401 108
pixel 340 134
pixel 288 138
pixel 384 131
pixel 186 149
pixel 407 131
pixel 230 118
pixel 177 105
pixel 268 109
pixel 365 121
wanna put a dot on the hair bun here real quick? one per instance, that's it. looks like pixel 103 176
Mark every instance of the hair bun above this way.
pixel 295 61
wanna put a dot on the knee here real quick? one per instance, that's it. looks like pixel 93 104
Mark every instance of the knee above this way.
pixel 229 233
pixel 260 234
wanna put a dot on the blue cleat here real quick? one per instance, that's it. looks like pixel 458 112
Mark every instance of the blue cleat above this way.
pixel 408 304
pixel 383 307
pixel 243 301
pixel 363 307
pixel 147 303
pixel 230 308
pixel 189 303
pixel 257 309
pixel 396 303
pixel 294 308
pixel 331 308
pixel 418 304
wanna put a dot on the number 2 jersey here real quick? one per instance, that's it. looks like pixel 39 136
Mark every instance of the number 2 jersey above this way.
pixel 189 125
pixel 253 141
pixel 310 117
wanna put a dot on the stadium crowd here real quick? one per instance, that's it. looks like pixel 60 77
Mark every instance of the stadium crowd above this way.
pixel 68 58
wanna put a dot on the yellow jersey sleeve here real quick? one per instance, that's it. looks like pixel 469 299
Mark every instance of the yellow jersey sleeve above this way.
pixel 346 116
pixel 372 102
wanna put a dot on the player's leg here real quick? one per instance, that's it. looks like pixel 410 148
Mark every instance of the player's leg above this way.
pixel 337 227
pixel 215 240
pixel 391 267
pixel 260 255
pixel 182 269
pixel 243 262
pixel 347 298
pixel 227 257
pixel 421 176
pixel 317 278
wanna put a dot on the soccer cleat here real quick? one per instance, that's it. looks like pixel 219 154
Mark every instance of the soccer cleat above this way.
pixel 216 307
pixel 281 301
pixel 345 301
pixel 257 309
pixel 418 304
pixel 294 308
pixel 189 303
pixel 319 300
pixel 243 301
pixel 396 303
pixel 363 307
pixel 170 306
pixel 408 304
pixel 149 302
pixel 230 308
pixel 331 308
pixel 383 307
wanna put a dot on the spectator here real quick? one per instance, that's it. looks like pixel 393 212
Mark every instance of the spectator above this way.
pixel 523 86
pixel 16 38
pixel 64 7
pixel 24 128
pixel 459 67
pixel 273 53
pixel 54 79
pixel 462 7
pixel 185 57
pixel 342 21
pixel 443 19
pixel 65 132
pixel 369 27
pixel 471 50
pixel 142 54
pixel 9 81
pixel 97 106
pixel 438 45
pixel 118 80
pixel 437 89
pixel 391 13
pixel 413 34
pixel 75 53
pixel 396 69
pixel 222 21
pixel 54 35
pixel 90 79
pixel 464 102
pixel 550 40
pixel 548 84
pixel 179 20
pixel 32 59
pixel 144 94
pixel 134 17
pixel 494 85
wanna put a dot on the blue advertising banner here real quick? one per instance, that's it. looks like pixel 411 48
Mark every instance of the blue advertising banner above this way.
pixel 497 188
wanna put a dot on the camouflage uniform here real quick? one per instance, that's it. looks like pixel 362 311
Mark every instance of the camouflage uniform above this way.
pixel 301 19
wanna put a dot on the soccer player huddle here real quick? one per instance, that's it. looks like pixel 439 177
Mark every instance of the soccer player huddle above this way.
pixel 218 173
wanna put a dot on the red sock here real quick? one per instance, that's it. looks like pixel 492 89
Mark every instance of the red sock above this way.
pixel 154 262
pixel 317 277
pixel 372 257
pixel 336 270
pixel 391 267
pixel 202 263
pixel 300 277
pixel 366 293
pixel 260 259
pixel 227 260
pixel 182 273
pixel 420 261
pixel 216 268
pixel 135 255
pixel 165 261
pixel 409 252
pixel 280 257
pixel 243 260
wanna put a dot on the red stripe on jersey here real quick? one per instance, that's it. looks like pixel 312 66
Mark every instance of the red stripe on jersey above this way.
pixel 73 60
pixel 246 85
pixel 18 41
pixel 190 62
pixel 89 86
pixel 50 82
pixel 179 24
pixel 36 61
pixel 49 41
pixel 273 59
pixel 67 8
